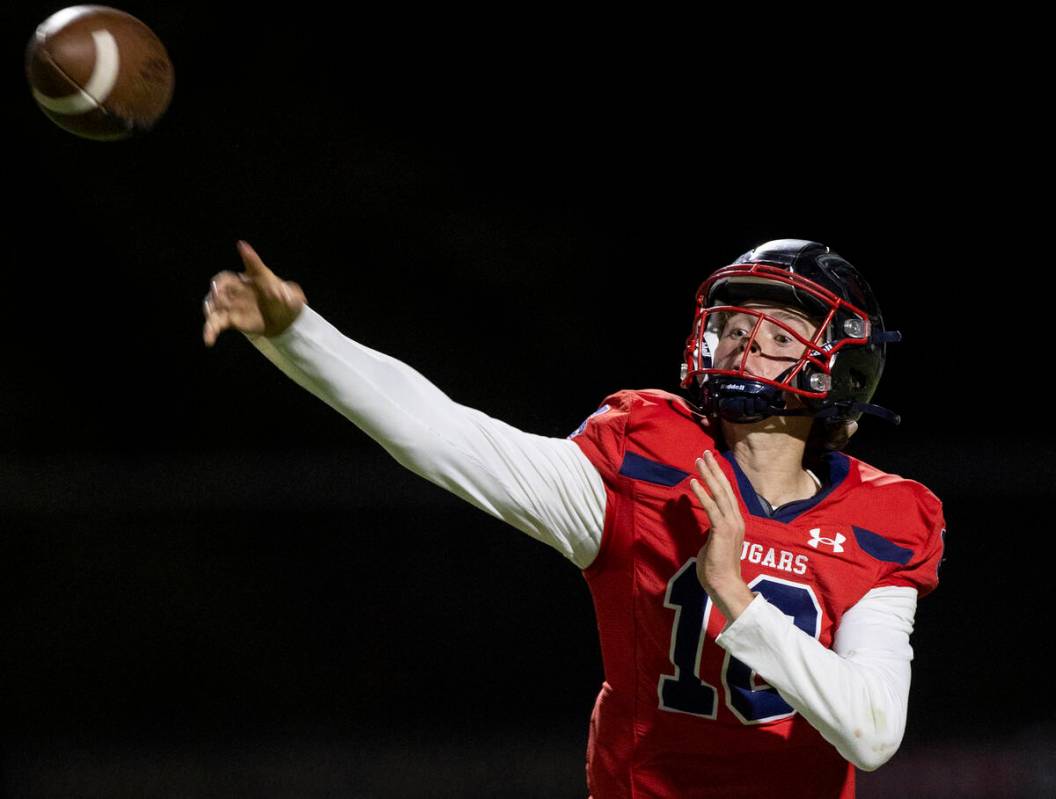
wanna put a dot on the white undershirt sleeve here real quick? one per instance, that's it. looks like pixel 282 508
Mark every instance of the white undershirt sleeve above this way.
pixel 543 486
pixel 855 694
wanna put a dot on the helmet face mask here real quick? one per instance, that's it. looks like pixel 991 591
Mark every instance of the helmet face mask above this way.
pixel 833 363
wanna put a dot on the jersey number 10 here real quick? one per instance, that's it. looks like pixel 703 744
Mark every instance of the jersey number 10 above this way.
pixel 686 691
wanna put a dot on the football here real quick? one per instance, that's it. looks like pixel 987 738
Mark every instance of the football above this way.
pixel 98 72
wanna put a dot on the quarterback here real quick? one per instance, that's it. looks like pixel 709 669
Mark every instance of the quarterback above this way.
pixel 755 587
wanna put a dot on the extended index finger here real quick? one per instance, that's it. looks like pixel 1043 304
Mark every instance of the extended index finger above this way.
pixel 254 265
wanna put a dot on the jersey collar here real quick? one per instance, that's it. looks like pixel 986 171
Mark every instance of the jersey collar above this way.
pixel 832 469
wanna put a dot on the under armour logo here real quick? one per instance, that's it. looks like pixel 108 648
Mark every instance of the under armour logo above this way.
pixel 836 543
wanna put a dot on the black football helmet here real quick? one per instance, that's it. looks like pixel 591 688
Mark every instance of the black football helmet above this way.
pixel 840 365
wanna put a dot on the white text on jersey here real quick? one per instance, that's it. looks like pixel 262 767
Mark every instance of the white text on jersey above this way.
pixel 774 558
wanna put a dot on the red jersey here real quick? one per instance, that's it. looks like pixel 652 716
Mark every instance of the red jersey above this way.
pixel 678 716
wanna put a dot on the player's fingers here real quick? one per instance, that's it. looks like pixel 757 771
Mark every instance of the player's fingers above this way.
pixel 706 502
pixel 209 331
pixel 226 276
pixel 728 499
pixel 230 293
pixel 714 479
pixel 216 322
pixel 702 495
pixel 209 334
pixel 705 484
pixel 255 267
pixel 221 288
pixel 215 300
pixel 218 302
pixel 727 487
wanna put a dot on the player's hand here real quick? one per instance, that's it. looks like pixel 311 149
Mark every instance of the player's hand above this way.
pixel 719 560
pixel 255 301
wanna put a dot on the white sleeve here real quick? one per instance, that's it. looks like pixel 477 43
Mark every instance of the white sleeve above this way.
pixel 545 487
pixel 856 693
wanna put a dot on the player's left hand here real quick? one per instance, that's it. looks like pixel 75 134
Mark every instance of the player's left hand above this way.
pixel 719 560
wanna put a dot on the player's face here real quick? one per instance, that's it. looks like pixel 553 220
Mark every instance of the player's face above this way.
pixel 773 350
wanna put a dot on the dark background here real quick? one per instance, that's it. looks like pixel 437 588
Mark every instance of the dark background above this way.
pixel 214 585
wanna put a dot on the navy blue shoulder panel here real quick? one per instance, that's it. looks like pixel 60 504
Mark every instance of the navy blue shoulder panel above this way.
pixel 638 467
pixel 880 548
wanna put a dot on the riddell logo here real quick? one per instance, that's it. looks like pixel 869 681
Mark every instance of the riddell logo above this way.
pixel 817 541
